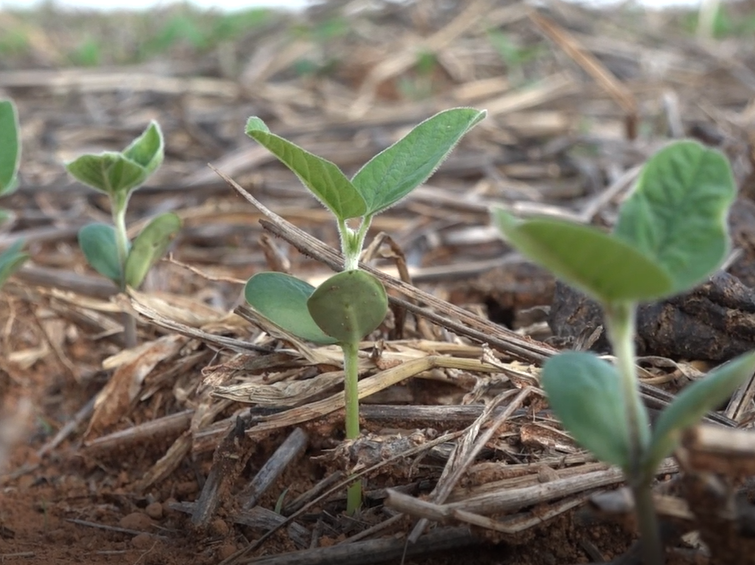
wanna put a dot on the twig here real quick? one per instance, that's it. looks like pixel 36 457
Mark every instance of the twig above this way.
pixel 289 450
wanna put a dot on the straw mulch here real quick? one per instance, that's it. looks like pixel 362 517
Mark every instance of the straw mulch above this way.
pixel 219 438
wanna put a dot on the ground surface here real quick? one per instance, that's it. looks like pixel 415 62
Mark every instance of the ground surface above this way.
pixel 115 480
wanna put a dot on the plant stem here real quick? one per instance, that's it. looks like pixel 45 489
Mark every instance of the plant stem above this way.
pixel 121 243
pixel 351 384
pixel 620 325
pixel 352 242
pixel 651 545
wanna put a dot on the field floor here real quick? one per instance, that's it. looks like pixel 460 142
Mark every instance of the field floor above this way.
pixel 219 438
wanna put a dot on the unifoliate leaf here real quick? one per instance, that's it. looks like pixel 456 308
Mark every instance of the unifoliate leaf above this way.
pixel 395 172
pixel 283 299
pixel 596 263
pixel 323 178
pixel 585 393
pixel 677 213
pixel 693 403
pixel 149 246
pixel 349 305
pixel 11 260
pixel 10 146
pixel 98 243
pixel 148 149
pixel 108 172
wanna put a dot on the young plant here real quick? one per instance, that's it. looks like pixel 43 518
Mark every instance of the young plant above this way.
pixel 670 236
pixel 10 154
pixel 107 247
pixel 351 304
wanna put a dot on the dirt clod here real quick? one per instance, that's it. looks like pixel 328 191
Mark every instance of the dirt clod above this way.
pixel 136 521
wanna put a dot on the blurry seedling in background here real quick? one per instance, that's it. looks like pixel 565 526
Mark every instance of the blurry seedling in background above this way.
pixel 671 235
pixel 351 304
pixel 107 247
pixel 10 155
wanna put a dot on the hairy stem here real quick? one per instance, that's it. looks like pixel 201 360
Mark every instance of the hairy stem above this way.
pixel 121 243
pixel 620 325
pixel 352 242
pixel 351 383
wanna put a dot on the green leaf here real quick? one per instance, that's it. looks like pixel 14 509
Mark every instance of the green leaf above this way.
pixel 349 305
pixel 97 242
pixel 11 260
pixel 323 178
pixel 693 403
pixel 10 146
pixel 148 149
pixel 149 246
pixel 283 299
pixel 585 393
pixel 677 213
pixel 108 172
pixel 596 263
pixel 396 171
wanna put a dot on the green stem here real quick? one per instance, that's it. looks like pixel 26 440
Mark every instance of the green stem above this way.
pixel 121 243
pixel 651 545
pixel 620 326
pixel 351 390
pixel 352 242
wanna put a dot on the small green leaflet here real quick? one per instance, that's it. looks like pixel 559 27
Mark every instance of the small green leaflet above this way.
pixel 677 213
pixel 97 242
pixel 395 172
pixel 323 178
pixel 149 246
pixel 10 146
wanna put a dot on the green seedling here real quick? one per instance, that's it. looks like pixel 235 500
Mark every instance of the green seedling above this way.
pixel 10 155
pixel 670 236
pixel 351 304
pixel 107 247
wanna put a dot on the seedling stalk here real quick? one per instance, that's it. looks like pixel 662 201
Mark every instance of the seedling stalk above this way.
pixel 671 235
pixel 353 303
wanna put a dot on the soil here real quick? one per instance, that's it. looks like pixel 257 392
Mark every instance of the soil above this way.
pixel 79 487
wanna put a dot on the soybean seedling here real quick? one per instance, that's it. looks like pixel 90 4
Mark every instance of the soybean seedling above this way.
pixel 107 247
pixel 670 236
pixel 10 155
pixel 351 304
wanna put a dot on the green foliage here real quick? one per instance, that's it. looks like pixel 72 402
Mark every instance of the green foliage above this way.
pixel 585 393
pixel 118 174
pixel 11 260
pixel 592 261
pixel 392 174
pixel 98 243
pixel 149 246
pixel 353 303
pixel 677 213
pixel 693 403
pixel 349 305
pixel 283 299
pixel 10 147
pixel 323 178
pixel 10 155
pixel 512 54
pixel 671 235
pixel 88 53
